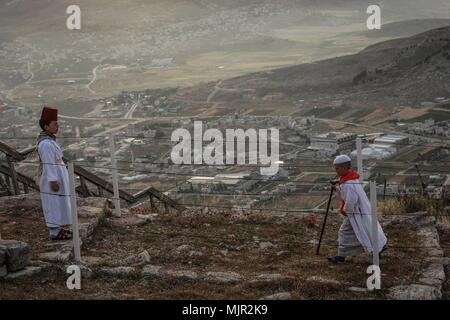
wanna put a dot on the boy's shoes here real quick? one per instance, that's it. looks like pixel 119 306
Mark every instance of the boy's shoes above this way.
pixel 336 259
pixel 63 234
pixel 339 259
pixel 383 252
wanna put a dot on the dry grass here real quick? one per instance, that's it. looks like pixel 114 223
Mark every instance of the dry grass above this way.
pixel 408 203
pixel 293 255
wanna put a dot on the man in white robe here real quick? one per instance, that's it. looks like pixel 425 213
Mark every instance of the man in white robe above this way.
pixel 355 234
pixel 54 178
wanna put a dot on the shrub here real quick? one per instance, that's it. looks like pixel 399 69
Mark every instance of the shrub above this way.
pixel 408 203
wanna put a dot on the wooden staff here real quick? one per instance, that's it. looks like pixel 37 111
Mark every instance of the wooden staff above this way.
pixel 333 182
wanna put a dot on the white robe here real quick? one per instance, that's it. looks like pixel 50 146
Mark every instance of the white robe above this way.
pixel 358 210
pixel 56 205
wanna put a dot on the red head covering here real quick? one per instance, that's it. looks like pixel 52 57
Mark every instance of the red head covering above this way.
pixel 50 114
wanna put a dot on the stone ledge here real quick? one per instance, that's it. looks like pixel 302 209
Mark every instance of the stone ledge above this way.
pixel 15 254
pixel 278 296
pixel 27 272
pixel 433 276
pixel 223 277
pixel 56 257
pixel 415 292
pixel 126 220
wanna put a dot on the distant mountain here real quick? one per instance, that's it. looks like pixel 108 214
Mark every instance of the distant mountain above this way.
pixel 406 28
pixel 205 39
pixel 397 72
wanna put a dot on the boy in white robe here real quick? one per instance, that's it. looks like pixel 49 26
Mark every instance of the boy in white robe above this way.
pixel 355 233
pixel 54 178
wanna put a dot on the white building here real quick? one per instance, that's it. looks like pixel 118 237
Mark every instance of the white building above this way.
pixel 375 152
pixel 333 141
pixel 392 140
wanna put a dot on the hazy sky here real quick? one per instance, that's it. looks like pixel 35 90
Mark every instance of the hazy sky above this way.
pixel 239 36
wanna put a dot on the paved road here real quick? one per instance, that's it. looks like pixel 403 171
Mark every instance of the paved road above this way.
pixel 30 72
pixel 217 88
pixel 94 77
pixel 129 114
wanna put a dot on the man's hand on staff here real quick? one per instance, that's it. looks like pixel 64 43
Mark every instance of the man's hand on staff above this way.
pixel 54 185
pixel 333 184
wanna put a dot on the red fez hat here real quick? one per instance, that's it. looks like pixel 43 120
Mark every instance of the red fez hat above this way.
pixel 50 114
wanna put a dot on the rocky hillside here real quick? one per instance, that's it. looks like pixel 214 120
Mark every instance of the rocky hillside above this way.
pixel 403 71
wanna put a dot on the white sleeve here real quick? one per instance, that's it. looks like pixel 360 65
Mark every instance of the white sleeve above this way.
pixel 47 154
pixel 351 199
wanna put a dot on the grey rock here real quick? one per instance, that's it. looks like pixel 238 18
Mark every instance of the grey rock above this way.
pixel 436 252
pixel 139 259
pixel 323 280
pixel 358 289
pixel 148 217
pixel 194 253
pixel 3 271
pixel 95 202
pixel 426 221
pixel 56 256
pixel 27 272
pixel 431 282
pixel 428 233
pixel 66 245
pixel 223 252
pixel 119 271
pixel 410 220
pixel 266 245
pixel 152 271
pixel 92 261
pixel 278 296
pixel 182 274
pixel 2 256
pixel 269 277
pixel 414 292
pixel 182 249
pixel 223 277
pixel 434 271
pixel 126 220
pixel 86 272
pixel 42 264
pixel 30 200
pixel 90 212
pixel 16 254
pixel 86 230
pixel 441 260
